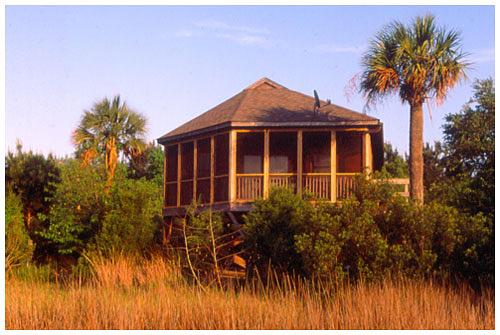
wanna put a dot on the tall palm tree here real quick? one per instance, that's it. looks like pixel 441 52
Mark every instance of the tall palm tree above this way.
pixel 420 61
pixel 108 129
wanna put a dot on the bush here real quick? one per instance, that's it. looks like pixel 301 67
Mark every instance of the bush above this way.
pixel 270 230
pixel 132 217
pixel 371 235
pixel 87 215
pixel 78 209
pixel 18 246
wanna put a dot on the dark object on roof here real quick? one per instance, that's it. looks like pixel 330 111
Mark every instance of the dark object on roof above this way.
pixel 266 103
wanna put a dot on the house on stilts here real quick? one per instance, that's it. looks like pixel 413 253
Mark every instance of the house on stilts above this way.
pixel 267 135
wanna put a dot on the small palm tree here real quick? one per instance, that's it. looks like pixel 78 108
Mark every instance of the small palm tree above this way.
pixel 420 62
pixel 108 129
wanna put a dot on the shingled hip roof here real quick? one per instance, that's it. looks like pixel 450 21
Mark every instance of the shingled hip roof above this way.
pixel 266 102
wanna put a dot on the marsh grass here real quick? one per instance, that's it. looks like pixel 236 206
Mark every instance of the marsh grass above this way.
pixel 127 293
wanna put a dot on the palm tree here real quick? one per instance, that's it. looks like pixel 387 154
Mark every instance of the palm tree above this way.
pixel 108 129
pixel 420 61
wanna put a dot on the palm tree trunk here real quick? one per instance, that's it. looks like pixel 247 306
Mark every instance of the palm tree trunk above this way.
pixel 416 153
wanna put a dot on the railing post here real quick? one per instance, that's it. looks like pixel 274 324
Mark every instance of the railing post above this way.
pixel 333 166
pixel 232 166
pixel 179 174
pixel 299 162
pixel 266 164
pixel 212 168
pixel 367 153
pixel 164 175
pixel 195 170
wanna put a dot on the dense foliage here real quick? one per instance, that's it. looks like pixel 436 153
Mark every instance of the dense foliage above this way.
pixel 32 177
pixel 469 154
pixel 148 164
pixel 395 165
pixel 371 235
pixel 18 246
pixel 86 214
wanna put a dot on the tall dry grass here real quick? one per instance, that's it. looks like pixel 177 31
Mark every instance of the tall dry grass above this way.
pixel 128 294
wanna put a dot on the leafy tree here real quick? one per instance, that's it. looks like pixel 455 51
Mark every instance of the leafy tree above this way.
pixel 108 129
pixel 33 177
pixel 79 207
pixel 469 160
pixel 18 246
pixel 88 215
pixel 148 164
pixel 434 170
pixel 395 166
pixel 419 61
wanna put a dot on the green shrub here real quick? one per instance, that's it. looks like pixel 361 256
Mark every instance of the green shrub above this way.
pixel 18 246
pixel 371 235
pixel 132 217
pixel 78 208
pixel 85 214
pixel 270 230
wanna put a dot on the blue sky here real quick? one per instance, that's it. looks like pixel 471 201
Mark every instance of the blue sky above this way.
pixel 172 63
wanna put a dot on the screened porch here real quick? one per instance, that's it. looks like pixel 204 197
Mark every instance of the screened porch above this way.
pixel 240 166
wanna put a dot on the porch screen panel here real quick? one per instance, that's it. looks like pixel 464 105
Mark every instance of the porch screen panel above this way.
pixel 349 152
pixel 171 177
pixel 187 172
pixel 203 171
pixel 316 152
pixel 221 180
pixel 283 152
pixel 250 153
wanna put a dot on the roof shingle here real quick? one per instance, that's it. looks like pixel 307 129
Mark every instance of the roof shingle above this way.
pixel 266 101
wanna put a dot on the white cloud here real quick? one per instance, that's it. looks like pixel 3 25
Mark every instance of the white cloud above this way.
pixel 245 39
pixel 242 35
pixel 483 56
pixel 336 48
pixel 185 33
pixel 219 25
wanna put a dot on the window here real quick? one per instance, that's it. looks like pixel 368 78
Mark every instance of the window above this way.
pixel 203 171
pixel 221 154
pixel 316 152
pixel 282 152
pixel 250 153
pixel 221 179
pixel 187 173
pixel 171 177
pixel 203 163
pixel 349 151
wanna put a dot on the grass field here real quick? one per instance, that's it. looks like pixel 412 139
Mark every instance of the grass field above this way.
pixel 152 295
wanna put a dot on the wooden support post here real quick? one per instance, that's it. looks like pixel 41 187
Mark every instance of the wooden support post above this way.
pixel 179 157
pixel 266 163
pixel 232 165
pixel 195 170
pixel 212 168
pixel 333 166
pixel 164 175
pixel 299 162
pixel 367 153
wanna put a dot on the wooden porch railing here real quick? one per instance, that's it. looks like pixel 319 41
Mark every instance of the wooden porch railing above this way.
pixel 405 185
pixel 287 180
pixel 345 185
pixel 249 186
pixel 318 184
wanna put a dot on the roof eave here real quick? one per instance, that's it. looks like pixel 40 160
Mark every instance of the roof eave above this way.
pixel 235 124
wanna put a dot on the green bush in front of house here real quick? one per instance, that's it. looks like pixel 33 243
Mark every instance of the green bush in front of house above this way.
pixel 87 215
pixel 372 234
